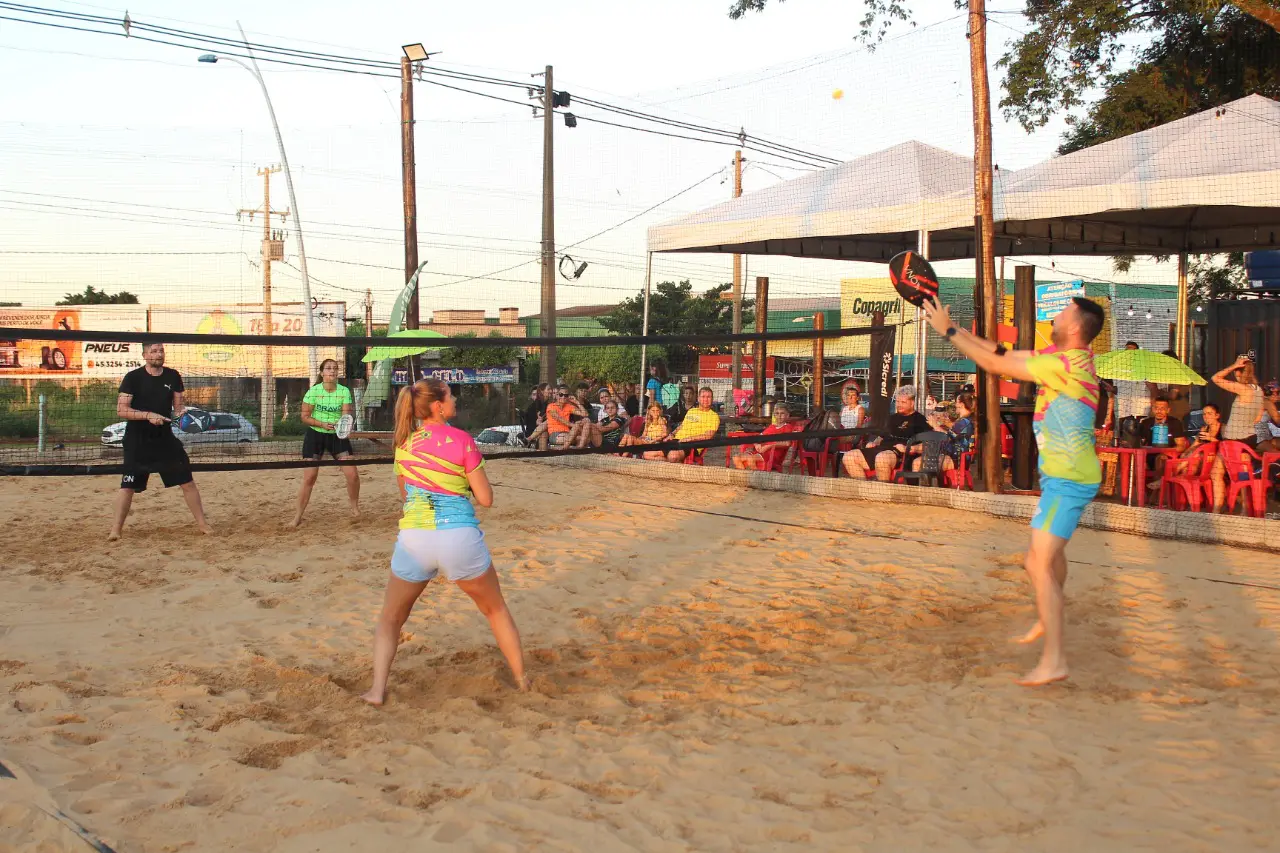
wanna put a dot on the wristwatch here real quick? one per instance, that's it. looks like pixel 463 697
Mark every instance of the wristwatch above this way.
pixel 950 332
pixel 1001 349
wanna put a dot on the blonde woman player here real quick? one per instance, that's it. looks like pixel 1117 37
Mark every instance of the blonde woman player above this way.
pixel 439 470
pixel 324 404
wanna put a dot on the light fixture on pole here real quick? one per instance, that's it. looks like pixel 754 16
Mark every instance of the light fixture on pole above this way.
pixel 415 53
pixel 310 326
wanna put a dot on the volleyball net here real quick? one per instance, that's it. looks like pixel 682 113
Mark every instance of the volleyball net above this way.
pixel 245 395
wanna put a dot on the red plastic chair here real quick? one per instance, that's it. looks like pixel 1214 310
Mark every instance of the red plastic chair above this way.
pixel 1195 487
pixel 1238 458
pixel 696 456
pixel 960 477
pixel 635 426
pixel 814 462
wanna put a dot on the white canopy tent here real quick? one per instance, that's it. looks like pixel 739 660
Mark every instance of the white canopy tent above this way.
pixel 868 209
pixel 1206 183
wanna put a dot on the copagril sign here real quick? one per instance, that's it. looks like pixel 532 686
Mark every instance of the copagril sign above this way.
pixel 868 307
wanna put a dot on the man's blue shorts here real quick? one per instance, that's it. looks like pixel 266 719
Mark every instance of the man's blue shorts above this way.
pixel 1062 502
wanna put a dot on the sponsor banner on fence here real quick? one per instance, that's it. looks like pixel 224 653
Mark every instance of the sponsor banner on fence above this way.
pixel 227 359
pixel 721 366
pixel 36 359
pixel 460 375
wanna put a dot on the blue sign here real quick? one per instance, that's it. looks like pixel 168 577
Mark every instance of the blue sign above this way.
pixel 460 375
pixel 1053 297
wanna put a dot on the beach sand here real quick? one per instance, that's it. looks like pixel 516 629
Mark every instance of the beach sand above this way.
pixel 700 682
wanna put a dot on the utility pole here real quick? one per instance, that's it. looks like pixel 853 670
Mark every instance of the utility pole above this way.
pixel 737 282
pixel 548 320
pixel 985 262
pixel 408 173
pixel 368 332
pixel 272 250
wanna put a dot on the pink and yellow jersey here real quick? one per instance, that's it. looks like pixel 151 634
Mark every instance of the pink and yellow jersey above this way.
pixel 1065 408
pixel 434 463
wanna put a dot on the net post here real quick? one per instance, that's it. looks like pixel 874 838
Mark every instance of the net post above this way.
pixel 819 361
pixel 644 333
pixel 1024 317
pixel 760 351
pixel 40 427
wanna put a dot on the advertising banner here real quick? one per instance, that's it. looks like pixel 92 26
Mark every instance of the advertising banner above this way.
pixel 1051 298
pixel 879 374
pixel 721 367
pixel 36 359
pixel 471 375
pixel 228 359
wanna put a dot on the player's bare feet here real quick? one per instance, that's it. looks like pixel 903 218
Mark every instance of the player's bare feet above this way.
pixel 206 529
pixel 374 699
pixel 113 536
pixel 1036 632
pixel 355 513
pixel 1044 674
pixel 524 684
pixel 297 522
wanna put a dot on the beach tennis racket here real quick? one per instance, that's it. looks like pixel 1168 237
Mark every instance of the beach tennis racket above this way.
pixel 342 428
pixel 913 277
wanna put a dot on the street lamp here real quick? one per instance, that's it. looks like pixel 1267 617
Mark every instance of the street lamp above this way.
pixel 212 58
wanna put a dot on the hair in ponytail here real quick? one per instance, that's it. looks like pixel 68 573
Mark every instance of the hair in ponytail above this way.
pixel 414 404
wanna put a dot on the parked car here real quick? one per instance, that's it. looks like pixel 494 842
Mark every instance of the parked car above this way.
pixel 197 426
pixel 503 436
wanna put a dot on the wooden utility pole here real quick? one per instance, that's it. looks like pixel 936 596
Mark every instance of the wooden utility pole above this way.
pixel 985 262
pixel 819 361
pixel 548 321
pixel 368 332
pixel 737 280
pixel 272 250
pixel 761 349
pixel 1024 317
pixel 409 181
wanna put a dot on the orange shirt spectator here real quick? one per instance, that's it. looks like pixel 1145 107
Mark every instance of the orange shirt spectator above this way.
pixel 558 415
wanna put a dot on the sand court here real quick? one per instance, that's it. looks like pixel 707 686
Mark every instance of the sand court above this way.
pixel 700 682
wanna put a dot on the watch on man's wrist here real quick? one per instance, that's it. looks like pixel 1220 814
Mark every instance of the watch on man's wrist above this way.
pixel 950 332
pixel 1001 349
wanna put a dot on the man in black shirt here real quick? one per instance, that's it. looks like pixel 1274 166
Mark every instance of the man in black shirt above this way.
pixel 150 397
pixel 882 456
pixel 1176 435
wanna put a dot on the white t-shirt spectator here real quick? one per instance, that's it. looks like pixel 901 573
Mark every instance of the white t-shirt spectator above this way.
pixel 851 417
pixel 1132 399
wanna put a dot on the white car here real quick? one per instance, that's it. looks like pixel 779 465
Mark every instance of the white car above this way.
pixel 196 426
pixel 503 436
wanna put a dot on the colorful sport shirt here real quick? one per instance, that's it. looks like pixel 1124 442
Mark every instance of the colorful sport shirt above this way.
pixel 1065 408
pixel 327 405
pixel 434 463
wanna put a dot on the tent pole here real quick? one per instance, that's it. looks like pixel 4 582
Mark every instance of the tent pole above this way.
pixel 644 332
pixel 1180 324
pixel 922 342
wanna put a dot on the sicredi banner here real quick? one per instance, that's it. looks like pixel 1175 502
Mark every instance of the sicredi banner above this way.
pixel 1051 298
pixel 228 359
pixel 30 358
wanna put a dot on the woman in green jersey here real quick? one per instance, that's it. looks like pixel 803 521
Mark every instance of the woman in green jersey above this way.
pixel 323 405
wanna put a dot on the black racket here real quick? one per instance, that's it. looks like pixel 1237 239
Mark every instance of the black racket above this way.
pixel 913 277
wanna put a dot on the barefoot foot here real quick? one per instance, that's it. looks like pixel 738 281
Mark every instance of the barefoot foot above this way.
pixel 524 684
pixel 1044 674
pixel 374 698
pixel 1036 632
pixel 205 529
pixel 355 513
pixel 296 523
pixel 113 536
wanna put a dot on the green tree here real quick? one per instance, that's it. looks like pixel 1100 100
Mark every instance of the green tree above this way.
pixel 498 355
pixel 674 309
pixel 94 296
pixel 354 354
pixel 1072 44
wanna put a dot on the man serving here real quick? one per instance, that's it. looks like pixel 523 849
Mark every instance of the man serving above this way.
pixel 150 396
pixel 1069 470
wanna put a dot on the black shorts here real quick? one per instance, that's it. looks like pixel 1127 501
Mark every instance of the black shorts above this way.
pixel 164 456
pixel 870 453
pixel 316 444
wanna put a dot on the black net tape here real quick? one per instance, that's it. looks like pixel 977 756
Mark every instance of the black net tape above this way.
pixel 60 406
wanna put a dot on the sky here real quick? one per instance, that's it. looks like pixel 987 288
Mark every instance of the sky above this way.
pixel 113 145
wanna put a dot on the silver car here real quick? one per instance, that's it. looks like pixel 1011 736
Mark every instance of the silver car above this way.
pixel 196 426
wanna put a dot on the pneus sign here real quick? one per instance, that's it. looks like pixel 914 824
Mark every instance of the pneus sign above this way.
pixel 32 358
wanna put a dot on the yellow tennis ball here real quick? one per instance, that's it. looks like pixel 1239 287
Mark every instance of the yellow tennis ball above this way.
pixel 837 94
